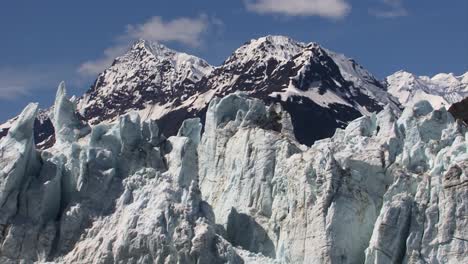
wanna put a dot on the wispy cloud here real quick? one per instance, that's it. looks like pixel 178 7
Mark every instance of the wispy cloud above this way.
pixel 93 67
pixel 390 9
pixel 324 8
pixel 187 31
pixel 18 82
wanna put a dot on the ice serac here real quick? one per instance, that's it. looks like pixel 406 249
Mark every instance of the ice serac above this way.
pixel 427 200
pixel 121 194
pixel 288 201
pixel 372 193
pixel 29 193
pixel 18 158
pixel 390 187
pixel 153 210
pixel 68 127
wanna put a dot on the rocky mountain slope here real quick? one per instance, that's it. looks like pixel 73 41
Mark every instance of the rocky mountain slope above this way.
pixel 310 82
pixel 388 188
pixel 442 90
pixel 148 77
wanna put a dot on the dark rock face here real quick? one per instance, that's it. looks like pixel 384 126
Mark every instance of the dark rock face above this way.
pixel 460 110
pixel 3 132
pixel 43 131
pixel 312 122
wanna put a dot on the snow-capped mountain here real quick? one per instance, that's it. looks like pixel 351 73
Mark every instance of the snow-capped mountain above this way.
pixel 441 90
pixel 321 89
pixel 312 83
pixel 309 81
pixel 148 77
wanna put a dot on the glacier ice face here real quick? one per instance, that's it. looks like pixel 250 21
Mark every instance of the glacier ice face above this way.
pixel 260 176
pixel 29 186
pixel 344 200
pixel 389 188
pixel 122 194
pixel 17 150
pixel 18 159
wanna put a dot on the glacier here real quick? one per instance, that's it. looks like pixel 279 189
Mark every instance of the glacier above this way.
pixel 391 187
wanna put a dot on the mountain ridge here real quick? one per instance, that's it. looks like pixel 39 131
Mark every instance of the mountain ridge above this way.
pixel 262 68
pixel 311 82
pixel 443 89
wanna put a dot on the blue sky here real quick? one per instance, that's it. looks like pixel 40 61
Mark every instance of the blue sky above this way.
pixel 44 42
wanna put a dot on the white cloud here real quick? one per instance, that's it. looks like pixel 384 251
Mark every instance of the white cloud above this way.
pixel 187 31
pixel 184 30
pixel 18 82
pixel 93 67
pixel 323 8
pixel 390 9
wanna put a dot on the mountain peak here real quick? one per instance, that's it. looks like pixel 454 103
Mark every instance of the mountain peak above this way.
pixel 153 47
pixel 403 73
pixel 277 39
pixel 440 90
pixel 140 43
pixel 464 78
pixel 447 79
pixel 276 47
pixel 144 52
